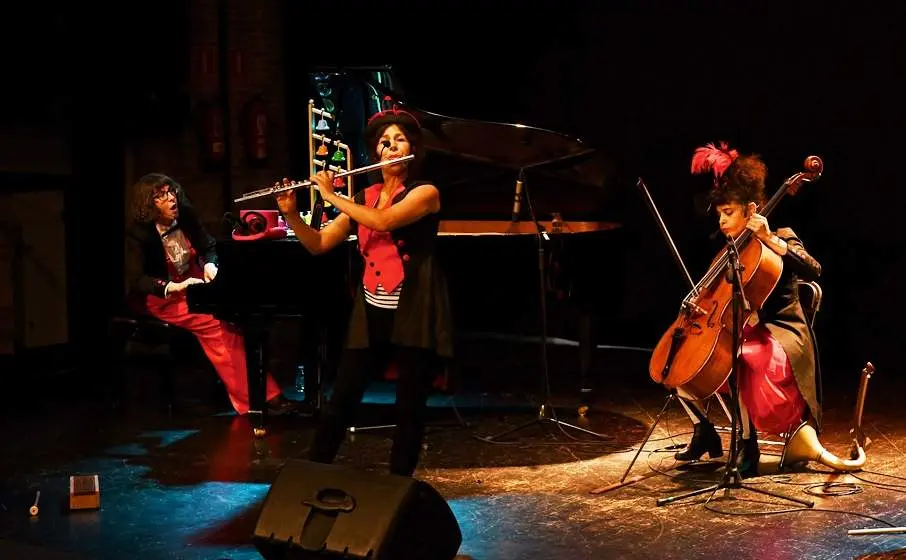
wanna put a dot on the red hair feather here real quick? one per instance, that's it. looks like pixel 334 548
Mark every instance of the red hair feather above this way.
pixel 713 158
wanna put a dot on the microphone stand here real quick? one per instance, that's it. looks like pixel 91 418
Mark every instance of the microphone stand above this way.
pixel 546 413
pixel 732 477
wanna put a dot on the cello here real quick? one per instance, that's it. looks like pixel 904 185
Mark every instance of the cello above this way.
pixel 694 356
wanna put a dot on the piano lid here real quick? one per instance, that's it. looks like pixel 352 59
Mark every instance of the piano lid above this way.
pixel 513 146
pixel 475 162
pixel 516 146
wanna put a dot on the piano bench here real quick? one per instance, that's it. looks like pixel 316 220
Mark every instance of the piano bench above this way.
pixel 145 341
pixel 139 329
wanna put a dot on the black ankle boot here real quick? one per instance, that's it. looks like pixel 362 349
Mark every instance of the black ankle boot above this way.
pixel 704 439
pixel 748 457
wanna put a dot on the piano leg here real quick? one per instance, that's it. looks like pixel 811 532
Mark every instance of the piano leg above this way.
pixel 257 360
pixel 319 373
pixel 586 353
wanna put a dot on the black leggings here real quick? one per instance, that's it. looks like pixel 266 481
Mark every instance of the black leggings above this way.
pixel 357 369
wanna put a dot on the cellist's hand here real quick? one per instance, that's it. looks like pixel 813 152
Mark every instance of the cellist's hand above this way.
pixel 759 226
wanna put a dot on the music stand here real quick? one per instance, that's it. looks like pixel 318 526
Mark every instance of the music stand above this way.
pixel 546 413
pixel 732 477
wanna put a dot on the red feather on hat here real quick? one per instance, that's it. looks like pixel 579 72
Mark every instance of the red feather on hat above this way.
pixel 713 158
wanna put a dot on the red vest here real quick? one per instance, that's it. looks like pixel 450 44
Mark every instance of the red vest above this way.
pixel 383 263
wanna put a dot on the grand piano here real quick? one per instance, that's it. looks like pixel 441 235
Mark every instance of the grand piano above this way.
pixel 567 205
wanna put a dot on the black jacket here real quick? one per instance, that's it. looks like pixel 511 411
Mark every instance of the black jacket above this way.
pixel 146 264
pixel 783 316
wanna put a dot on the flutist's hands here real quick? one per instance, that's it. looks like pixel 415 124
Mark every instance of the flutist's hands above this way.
pixel 286 200
pixel 324 180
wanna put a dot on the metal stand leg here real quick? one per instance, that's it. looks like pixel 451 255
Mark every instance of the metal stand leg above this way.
pixel 623 482
pixel 544 416
pixel 356 429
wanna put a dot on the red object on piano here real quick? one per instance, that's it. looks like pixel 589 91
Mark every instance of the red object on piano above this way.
pixel 259 224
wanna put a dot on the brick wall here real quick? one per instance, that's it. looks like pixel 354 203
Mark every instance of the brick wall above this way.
pixel 255 32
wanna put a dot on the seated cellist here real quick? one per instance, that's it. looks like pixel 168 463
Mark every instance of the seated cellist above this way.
pixel 778 371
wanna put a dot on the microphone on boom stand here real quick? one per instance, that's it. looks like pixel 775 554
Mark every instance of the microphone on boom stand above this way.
pixel 517 199
pixel 546 412
pixel 731 251
pixel 734 272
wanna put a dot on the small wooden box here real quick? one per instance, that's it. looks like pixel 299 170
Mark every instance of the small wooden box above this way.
pixel 84 492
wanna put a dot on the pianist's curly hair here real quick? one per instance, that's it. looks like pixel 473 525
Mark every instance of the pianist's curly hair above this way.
pixel 379 122
pixel 144 190
pixel 737 178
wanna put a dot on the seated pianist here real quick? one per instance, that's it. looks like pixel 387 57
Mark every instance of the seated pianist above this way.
pixel 167 250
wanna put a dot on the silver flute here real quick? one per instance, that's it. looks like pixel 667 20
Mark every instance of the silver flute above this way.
pixel 304 184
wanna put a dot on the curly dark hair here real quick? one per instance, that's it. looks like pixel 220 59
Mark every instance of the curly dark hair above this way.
pixel 144 190
pixel 742 182
pixel 410 127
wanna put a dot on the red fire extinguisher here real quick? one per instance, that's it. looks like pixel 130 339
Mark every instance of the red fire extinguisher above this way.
pixel 255 129
pixel 212 136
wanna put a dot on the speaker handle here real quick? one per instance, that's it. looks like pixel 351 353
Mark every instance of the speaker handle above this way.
pixel 332 500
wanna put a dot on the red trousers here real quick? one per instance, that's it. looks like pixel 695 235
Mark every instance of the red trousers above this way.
pixel 221 342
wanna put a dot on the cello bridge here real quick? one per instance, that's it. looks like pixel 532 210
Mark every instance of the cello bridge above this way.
pixel 690 308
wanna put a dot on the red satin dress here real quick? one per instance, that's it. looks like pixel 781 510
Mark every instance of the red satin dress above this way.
pixel 766 383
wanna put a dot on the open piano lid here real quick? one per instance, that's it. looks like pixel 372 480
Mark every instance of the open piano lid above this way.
pixel 476 164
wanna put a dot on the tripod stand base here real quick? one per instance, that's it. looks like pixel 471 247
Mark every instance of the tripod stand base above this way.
pixel 543 417
pixel 733 480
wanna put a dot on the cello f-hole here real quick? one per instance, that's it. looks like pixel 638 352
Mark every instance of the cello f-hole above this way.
pixel 711 315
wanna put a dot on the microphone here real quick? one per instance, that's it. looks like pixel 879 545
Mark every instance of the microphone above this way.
pixel 385 144
pixel 517 199
pixel 731 256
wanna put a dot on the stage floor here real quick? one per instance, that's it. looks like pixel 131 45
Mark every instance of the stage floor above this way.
pixel 188 482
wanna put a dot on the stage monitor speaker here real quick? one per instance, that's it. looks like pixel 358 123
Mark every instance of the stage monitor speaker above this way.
pixel 316 511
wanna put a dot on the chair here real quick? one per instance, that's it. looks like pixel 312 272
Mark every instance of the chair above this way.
pixel 812 304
